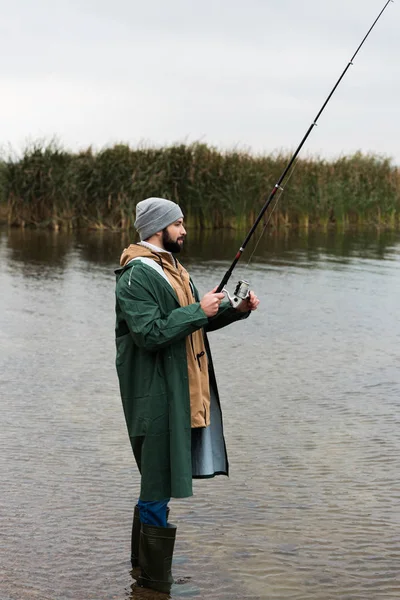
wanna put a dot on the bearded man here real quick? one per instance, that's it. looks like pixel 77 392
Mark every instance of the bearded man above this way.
pixel 167 381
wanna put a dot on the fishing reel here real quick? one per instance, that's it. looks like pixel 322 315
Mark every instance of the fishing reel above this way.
pixel 242 291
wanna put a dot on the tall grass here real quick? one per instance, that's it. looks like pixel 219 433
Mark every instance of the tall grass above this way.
pixel 50 187
pixel 3 201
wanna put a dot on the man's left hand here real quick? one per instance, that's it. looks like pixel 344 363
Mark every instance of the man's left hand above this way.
pixel 251 303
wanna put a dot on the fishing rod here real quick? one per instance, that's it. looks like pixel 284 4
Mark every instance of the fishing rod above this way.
pixel 242 288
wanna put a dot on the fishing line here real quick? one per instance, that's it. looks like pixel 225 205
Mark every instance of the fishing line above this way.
pixel 278 186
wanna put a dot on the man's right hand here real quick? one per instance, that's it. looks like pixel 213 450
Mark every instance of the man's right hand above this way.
pixel 210 302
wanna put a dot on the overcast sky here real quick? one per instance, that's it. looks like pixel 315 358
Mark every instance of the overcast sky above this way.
pixel 250 74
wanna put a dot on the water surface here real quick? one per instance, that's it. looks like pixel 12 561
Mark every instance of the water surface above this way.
pixel 310 388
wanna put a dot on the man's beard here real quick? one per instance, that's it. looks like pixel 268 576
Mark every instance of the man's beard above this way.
pixel 169 244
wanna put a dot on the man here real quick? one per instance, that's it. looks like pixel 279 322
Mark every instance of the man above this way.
pixel 167 380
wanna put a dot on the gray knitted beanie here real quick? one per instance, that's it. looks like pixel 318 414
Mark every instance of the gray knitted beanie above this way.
pixel 154 214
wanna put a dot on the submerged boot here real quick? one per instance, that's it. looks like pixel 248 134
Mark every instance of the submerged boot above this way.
pixel 155 557
pixel 135 538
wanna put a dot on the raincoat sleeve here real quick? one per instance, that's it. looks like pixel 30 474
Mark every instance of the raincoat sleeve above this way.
pixel 149 326
pixel 225 316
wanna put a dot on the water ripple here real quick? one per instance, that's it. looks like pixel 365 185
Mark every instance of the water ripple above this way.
pixel 310 389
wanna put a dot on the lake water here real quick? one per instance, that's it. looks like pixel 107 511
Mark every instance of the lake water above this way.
pixel 310 389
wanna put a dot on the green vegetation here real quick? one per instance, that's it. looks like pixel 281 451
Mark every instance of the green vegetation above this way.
pixel 3 201
pixel 50 187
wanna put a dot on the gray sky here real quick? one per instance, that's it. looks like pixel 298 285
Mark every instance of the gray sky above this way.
pixel 250 74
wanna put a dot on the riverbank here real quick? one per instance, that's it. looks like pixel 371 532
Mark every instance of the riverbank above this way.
pixel 52 188
pixel 3 213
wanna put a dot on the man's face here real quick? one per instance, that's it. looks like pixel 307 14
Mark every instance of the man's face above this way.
pixel 173 236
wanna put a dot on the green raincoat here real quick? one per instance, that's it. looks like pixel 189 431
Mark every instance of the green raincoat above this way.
pixel 151 363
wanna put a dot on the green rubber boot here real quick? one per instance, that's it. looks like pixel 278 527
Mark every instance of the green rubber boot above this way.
pixel 136 537
pixel 155 557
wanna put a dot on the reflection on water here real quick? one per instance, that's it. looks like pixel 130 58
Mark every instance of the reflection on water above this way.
pixel 50 249
pixel 310 389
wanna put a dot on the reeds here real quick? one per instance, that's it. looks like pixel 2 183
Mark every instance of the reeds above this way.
pixel 50 187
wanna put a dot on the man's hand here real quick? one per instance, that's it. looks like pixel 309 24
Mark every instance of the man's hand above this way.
pixel 211 301
pixel 250 303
